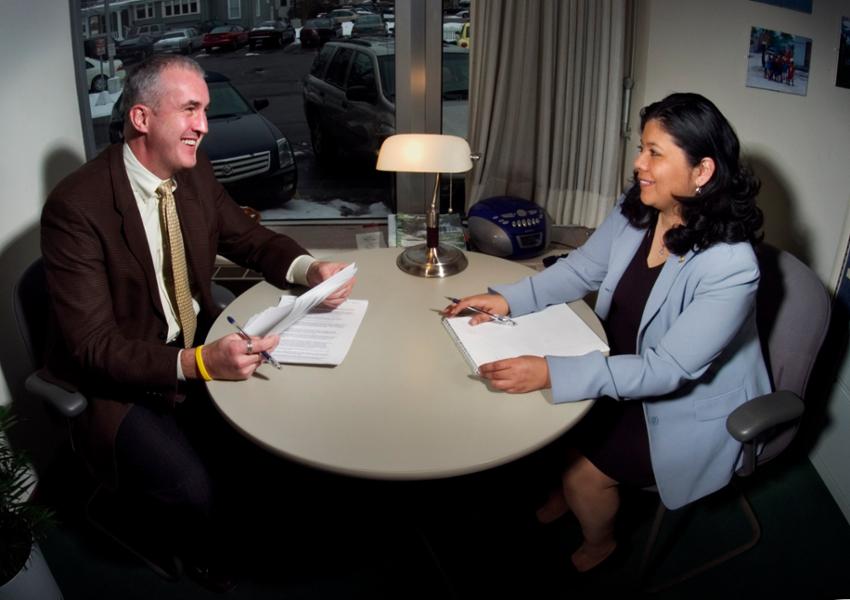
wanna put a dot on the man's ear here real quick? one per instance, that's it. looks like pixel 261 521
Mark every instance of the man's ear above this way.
pixel 139 117
pixel 704 171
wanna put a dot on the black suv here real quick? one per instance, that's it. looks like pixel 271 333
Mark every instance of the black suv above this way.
pixel 349 96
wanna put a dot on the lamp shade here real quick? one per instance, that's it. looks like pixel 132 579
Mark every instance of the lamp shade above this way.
pixel 424 153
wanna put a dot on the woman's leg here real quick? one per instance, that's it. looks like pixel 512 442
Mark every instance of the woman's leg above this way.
pixel 594 499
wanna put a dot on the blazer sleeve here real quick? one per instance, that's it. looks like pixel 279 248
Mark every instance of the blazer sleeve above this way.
pixel 241 239
pixel 723 300
pixel 570 278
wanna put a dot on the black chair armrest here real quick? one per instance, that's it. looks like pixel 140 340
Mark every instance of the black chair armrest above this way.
pixel 222 296
pixel 67 403
pixel 758 415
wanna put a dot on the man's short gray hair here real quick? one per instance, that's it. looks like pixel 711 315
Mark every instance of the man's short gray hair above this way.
pixel 142 87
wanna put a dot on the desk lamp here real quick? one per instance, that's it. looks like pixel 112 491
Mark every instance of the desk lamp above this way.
pixel 428 153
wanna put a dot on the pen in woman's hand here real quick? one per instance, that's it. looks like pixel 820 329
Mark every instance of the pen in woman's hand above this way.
pixel 269 358
pixel 499 318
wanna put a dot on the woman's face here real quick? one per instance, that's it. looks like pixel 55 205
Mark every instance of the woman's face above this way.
pixel 663 170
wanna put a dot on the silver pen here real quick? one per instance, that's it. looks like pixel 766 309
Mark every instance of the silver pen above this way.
pixel 269 358
pixel 499 318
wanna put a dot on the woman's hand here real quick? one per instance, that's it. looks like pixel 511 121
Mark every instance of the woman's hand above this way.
pixel 492 303
pixel 517 375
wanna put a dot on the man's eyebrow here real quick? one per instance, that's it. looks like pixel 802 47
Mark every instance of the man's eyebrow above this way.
pixel 193 104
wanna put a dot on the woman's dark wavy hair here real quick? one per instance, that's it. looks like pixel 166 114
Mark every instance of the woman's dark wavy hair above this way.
pixel 725 209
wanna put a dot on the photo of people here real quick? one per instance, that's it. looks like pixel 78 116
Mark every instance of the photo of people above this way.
pixel 842 74
pixel 778 61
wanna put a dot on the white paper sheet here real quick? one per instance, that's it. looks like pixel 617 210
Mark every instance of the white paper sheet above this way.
pixel 554 331
pixel 322 337
pixel 278 319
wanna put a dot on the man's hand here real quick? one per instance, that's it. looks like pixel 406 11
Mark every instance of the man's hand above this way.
pixel 321 270
pixel 228 357
pixel 517 375
pixel 492 303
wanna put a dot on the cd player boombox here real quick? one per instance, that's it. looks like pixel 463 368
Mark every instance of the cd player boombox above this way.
pixel 508 227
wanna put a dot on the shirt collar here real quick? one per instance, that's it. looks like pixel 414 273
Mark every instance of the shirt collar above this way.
pixel 143 182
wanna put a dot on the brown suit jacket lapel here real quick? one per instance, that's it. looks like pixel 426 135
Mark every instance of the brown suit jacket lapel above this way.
pixel 134 230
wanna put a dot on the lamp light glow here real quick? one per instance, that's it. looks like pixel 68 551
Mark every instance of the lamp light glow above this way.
pixel 428 153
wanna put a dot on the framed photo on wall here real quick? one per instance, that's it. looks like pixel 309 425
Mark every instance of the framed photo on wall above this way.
pixel 778 61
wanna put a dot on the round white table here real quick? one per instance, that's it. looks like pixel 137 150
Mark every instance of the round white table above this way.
pixel 403 404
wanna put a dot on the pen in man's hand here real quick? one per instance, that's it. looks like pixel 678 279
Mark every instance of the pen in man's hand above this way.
pixel 269 358
pixel 499 318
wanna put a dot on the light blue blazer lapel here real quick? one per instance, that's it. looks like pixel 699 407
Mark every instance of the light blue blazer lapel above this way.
pixel 623 249
pixel 660 291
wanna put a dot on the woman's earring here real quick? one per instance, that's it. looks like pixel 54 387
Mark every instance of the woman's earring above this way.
pixel 698 191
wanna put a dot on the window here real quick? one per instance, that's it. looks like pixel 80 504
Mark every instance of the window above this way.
pixel 258 10
pixel 234 9
pixel 175 8
pixel 338 67
pixel 144 11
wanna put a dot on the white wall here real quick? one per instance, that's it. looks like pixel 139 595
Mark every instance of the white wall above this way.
pixel 798 145
pixel 42 138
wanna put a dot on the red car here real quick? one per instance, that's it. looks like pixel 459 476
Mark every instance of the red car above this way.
pixel 225 36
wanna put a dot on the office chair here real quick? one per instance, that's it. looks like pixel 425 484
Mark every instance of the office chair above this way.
pixel 792 313
pixel 31 305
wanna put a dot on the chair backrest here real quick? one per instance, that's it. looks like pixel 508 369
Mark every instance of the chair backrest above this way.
pixel 792 311
pixel 32 311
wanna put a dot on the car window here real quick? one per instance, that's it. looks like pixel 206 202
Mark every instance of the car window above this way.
pixel 338 67
pixel 173 35
pixel 362 71
pixel 386 67
pixel 455 76
pixel 321 60
pixel 226 101
pixel 224 29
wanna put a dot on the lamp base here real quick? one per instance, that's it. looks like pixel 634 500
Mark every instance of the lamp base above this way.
pixel 423 261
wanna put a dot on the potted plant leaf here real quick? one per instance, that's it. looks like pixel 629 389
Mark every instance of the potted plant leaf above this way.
pixel 24 574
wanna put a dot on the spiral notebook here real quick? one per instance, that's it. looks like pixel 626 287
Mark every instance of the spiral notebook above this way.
pixel 554 331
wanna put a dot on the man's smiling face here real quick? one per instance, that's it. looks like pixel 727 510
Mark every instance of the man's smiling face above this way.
pixel 178 123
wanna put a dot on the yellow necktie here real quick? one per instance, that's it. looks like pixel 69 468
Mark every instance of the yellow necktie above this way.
pixel 175 257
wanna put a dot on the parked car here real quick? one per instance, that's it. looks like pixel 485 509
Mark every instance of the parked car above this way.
pixel 250 156
pixel 349 96
pixel 451 31
pixel 343 15
pixel 209 25
pixel 98 74
pixel 368 25
pixel 135 48
pixel 463 39
pixel 183 41
pixel 316 32
pixel 225 36
pixel 153 30
pixel 389 23
pixel 272 33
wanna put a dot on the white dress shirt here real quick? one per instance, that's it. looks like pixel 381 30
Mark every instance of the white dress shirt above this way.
pixel 144 185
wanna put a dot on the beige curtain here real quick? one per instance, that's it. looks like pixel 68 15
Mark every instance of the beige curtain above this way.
pixel 546 87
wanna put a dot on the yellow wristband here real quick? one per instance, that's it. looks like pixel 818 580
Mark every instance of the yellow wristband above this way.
pixel 199 360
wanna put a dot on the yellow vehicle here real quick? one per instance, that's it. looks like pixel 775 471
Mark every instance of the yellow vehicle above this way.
pixel 463 38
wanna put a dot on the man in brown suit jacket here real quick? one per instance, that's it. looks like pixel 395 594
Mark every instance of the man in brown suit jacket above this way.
pixel 118 336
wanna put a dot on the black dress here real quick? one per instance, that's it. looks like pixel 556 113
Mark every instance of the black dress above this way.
pixel 613 433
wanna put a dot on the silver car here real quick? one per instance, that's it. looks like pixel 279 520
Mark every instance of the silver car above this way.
pixel 183 41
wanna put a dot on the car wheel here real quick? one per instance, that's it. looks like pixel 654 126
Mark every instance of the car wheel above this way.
pixel 99 83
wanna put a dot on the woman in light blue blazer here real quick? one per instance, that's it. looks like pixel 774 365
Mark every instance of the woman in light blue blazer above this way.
pixel 676 276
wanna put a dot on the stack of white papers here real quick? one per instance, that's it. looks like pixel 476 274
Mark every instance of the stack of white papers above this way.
pixel 554 331
pixel 310 334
